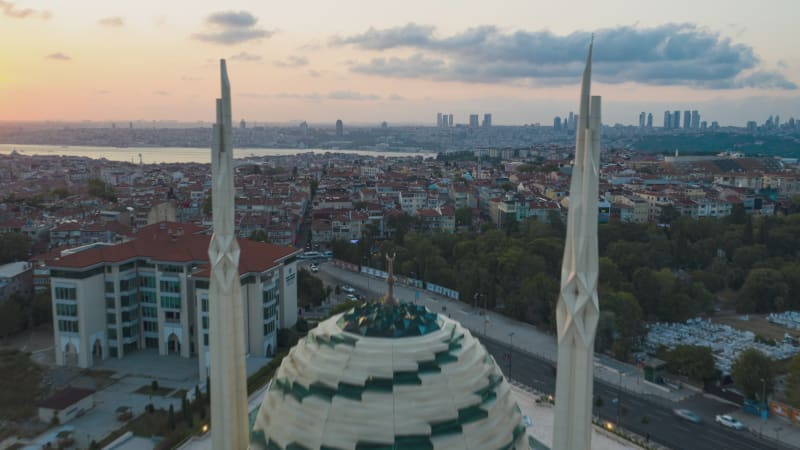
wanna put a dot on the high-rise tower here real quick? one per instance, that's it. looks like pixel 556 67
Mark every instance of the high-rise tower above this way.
pixel 577 310
pixel 226 347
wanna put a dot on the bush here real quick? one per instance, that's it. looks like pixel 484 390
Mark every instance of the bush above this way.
pixel 149 408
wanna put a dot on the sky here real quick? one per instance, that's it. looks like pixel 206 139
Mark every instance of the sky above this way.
pixel 401 61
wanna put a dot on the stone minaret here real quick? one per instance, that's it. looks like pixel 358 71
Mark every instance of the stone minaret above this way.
pixel 577 310
pixel 228 378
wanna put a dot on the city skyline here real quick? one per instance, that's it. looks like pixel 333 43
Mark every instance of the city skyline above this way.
pixel 321 63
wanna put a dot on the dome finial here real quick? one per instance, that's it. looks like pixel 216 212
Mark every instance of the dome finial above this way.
pixel 389 299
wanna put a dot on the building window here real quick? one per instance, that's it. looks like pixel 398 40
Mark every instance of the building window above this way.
pixel 127 285
pixel 128 266
pixel 205 322
pixel 147 297
pixel 111 318
pixel 169 302
pixel 151 342
pixel 68 326
pixel 150 326
pixel 204 304
pixel 172 316
pixel 269 327
pixel 170 268
pixel 110 287
pixel 171 286
pixel 111 303
pixel 205 339
pixel 112 333
pixel 66 310
pixel 147 281
pixel 66 293
pixel 149 311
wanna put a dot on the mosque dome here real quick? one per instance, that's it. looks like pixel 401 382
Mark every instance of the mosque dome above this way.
pixel 389 376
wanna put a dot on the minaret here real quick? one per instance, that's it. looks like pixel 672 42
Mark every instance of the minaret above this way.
pixel 389 299
pixel 228 379
pixel 577 310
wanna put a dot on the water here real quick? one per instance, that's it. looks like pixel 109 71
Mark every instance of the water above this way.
pixel 153 155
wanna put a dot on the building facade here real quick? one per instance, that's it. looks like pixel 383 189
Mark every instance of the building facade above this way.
pixel 152 293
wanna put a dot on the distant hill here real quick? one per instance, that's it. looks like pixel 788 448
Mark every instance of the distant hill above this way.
pixel 769 145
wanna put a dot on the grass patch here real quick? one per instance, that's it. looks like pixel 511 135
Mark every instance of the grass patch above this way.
pixel 160 391
pixel 20 385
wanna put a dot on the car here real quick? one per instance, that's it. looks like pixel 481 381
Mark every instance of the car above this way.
pixel 351 297
pixel 349 289
pixel 124 413
pixel 729 421
pixel 314 267
pixel 686 414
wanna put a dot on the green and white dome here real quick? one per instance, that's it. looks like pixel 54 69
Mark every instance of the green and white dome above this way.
pixel 401 377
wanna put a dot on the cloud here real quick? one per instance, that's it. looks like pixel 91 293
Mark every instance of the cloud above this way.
pixel 10 10
pixel 244 56
pixel 670 54
pixel 292 61
pixel 162 93
pixel 115 21
pixel 58 56
pixel 232 27
pixel 351 95
pixel 314 73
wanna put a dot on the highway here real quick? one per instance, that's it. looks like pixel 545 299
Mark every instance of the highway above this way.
pixel 535 371
pixel 663 427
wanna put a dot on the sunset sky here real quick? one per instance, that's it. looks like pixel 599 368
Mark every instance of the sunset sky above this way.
pixel 399 61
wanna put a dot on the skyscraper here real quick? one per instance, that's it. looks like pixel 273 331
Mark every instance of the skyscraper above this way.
pixel 487 120
pixel 557 123
pixel 642 117
pixel 667 120
pixel 439 120
pixel 695 119
pixel 676 119
pixel 449 120
pixel 473 120
pixel 339 127
pixel 649 120
pixel 687 119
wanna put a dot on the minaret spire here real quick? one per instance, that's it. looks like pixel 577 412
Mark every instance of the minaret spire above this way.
pixel 577 310
pixel 226 311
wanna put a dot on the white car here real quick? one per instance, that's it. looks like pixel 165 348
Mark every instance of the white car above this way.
pixel 314 267
pixel 729 421
pixel 348 289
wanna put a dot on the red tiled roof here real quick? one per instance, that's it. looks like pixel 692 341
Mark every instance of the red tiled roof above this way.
pixel 156 243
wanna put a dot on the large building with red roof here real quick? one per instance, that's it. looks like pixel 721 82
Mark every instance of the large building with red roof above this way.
pixel 151 292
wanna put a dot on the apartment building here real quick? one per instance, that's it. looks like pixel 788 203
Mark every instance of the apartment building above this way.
pixel 152 293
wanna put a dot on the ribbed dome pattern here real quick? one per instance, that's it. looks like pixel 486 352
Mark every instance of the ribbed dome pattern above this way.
pixel 341 391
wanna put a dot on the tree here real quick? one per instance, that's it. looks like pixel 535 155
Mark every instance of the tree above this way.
pixel 258 235
pixel 171 417
pixel 100 189
pixel 207 206
pixel 14 247
pixel 693 361
pixel 753 373
pixel 464 217
pixel 763 291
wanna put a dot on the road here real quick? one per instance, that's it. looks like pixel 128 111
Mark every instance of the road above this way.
pixel 536 371
pixel 663 427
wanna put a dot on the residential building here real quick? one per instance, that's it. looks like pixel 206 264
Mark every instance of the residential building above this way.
pixel 152 292
pixel 16 278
